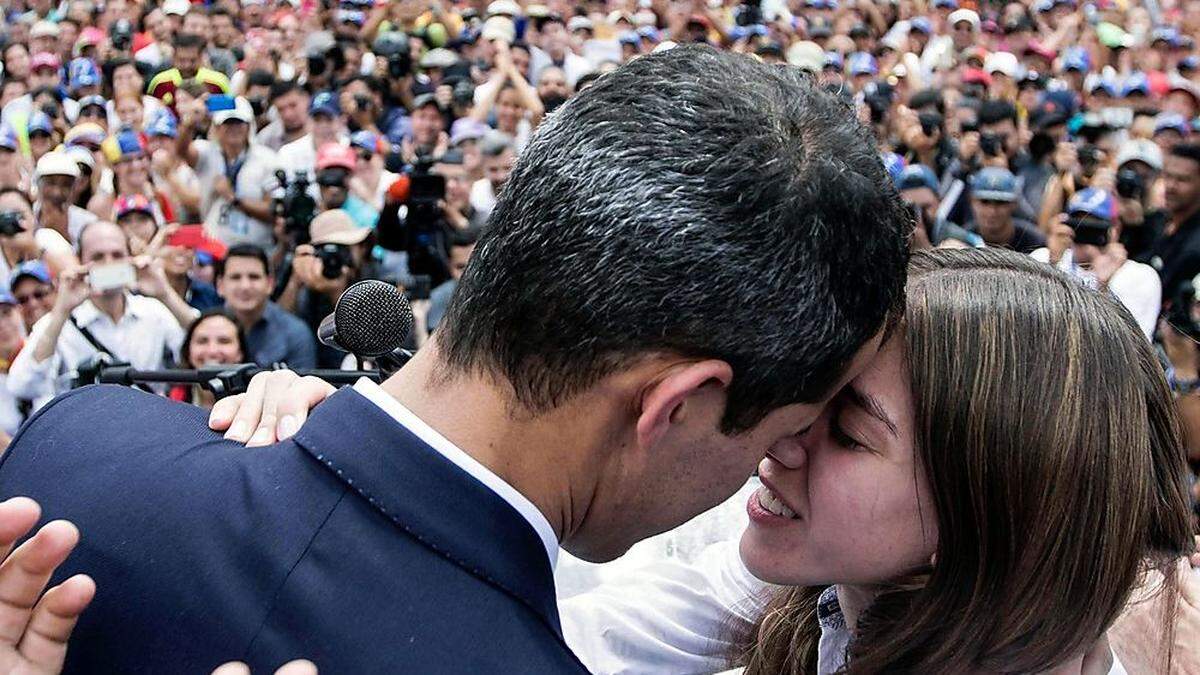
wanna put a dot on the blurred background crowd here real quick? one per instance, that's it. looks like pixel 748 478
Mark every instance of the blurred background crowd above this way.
pixel 187 184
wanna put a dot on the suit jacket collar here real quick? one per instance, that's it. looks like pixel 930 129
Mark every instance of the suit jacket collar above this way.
pixel 431 498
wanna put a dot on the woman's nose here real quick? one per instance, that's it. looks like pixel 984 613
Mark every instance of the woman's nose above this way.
pixel 789 452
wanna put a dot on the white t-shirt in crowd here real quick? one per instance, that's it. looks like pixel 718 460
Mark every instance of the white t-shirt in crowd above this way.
pixel 256 180
pixel 1137 286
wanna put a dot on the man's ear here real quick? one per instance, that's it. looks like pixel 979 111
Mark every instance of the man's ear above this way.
pixel 665 401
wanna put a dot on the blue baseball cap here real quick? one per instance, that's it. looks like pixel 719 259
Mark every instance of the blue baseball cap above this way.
pixel 365 140
pixel 945 4
pixel 39 121
pixel 82 72
pixel 917 176
pixel 8 138
pixel 822 4
pixel 833 60
pixel 630 38
pixel 1076 58
pixel 324 103
pixel 1168 34
pixel 862 63
pixel 7 298
pixel 163 123
pixel 1103 85
pixel 649 33
pixel 1171 122
pixel 994 184
pixel 894 164
pixel 1094 202
pixel 1189 62
pixel 921 25
pixel 1136 83
pixel 34 269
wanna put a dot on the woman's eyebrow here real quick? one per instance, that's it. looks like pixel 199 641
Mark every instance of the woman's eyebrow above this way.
pixel 872 407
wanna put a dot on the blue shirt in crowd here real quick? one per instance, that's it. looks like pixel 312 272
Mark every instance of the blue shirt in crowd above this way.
pixel 279 337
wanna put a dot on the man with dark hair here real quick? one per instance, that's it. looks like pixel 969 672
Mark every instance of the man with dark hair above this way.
pixel 244 279
pixel 188 60
pixel 669 286
pixel 1177 254
pixel 290 101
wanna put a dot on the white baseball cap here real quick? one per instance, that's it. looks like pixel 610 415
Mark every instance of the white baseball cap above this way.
pixel 57 164
pixel 241 111
pixel 177 7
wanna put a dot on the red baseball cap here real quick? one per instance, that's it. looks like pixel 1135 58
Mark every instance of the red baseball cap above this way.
pixel 336 155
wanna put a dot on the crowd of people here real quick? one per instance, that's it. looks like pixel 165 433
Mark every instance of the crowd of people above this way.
pixel 194 184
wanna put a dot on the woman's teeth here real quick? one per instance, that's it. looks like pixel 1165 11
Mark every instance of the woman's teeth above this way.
pixel 773 504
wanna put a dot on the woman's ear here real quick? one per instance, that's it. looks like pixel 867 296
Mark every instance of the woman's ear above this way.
pixel 673 399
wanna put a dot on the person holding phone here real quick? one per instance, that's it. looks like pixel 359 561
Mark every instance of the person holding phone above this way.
pixel 96 312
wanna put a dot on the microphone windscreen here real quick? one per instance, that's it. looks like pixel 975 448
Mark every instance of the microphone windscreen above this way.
pixel 373 318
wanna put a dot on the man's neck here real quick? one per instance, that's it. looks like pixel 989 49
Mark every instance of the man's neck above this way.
pixel 249 319
pixel 1004 235
pixel 180 283
pixel 1179 220
pixel 232 152
pixel 112 305
pixel 533 455
pixel 290 135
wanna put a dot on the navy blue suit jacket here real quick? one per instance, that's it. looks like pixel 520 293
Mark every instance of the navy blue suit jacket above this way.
pixel 353 544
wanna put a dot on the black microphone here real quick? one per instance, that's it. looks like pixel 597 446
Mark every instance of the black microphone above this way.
pixel 371 319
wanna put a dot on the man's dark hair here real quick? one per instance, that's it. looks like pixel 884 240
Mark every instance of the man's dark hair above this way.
pixel 926 98
pixel 244 251
pixel 189 41
pixel 217 10
pixel 691 202
pixel 995 111
pixel 11 190
pixel 285 87
pixel 260 78
pixel 1187 151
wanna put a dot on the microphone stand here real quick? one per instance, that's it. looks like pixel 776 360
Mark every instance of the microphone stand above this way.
pixel 225 380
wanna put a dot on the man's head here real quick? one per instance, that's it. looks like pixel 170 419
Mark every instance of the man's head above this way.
pixel 327 120
pixel 1181 178
pixel 291 102
pixel 189 49
pixel 1091 213
pixel 462 245
pixel 552 84
pixel 244 279
pixel 451 167
pixel 427 120
pixel 33 289
pixel 103 243
pixel 335 164
pixel 499 152
pixel 998 128
pixel 56 174
pixel 232 127
pixel 994 200
pixel 710 307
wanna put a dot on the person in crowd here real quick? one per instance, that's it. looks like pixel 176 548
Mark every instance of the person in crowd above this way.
pixel 131 175
pixel 236 175
pixel 13 410
pixel 58 180
pixel 96 314
pixel 994 202
pixel 187 54
pixel 215 338
pixel 327 126
pixel 23 241
pixel 1086 243
pixel 462 245
pixel 179 183
pixel 32 288
pixel 498 152
pixel 290 102
pixel 273 335
pixel 1176 255
pixel 337 256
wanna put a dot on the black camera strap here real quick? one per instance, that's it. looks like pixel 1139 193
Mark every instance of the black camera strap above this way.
pixel 87 335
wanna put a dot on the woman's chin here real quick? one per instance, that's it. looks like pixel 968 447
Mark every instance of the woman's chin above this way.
pixel 774 563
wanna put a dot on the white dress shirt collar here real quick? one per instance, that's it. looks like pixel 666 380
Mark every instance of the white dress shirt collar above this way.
pixel 407 419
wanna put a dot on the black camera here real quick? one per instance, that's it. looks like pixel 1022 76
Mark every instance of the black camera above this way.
pixel 970 125
pixel 1090 231
pixel 11 223
pixel 334 259
pixel 393 46
pixel 931 123
pixel 295 206
pixel 363 102
pixel 1130 184
pixel 749 13
pixel 120 33
pixel 423 231
pixel 990 144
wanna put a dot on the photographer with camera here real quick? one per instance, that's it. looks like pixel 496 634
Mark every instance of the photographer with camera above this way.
pixel 104 316
pixel 1086 243
pixel 337 256
pixel 21 240
pixel 335 166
